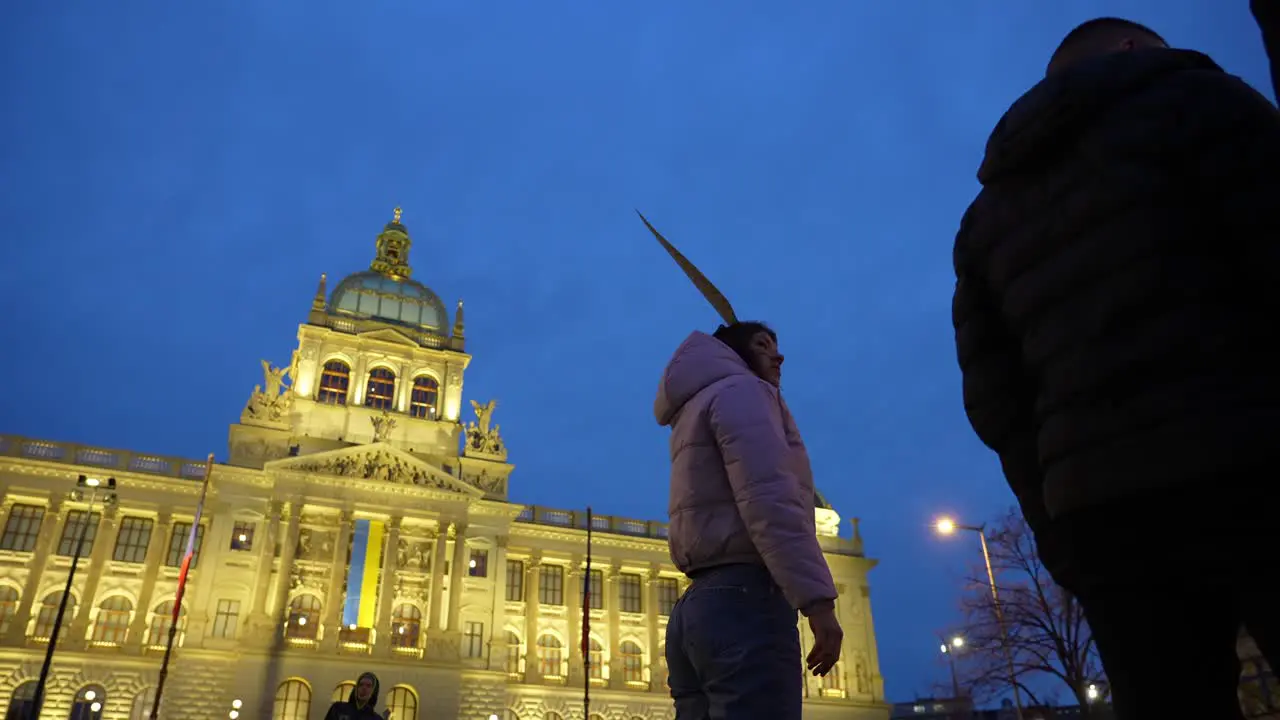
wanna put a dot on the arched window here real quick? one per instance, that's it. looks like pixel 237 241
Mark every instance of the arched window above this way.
pixel 335 378
pixel 21 704
pixel 304 618
pixel 112 624
pixel 8 604
pixel 406 621
pixel 515 654
pixel 550 656
pixel 343 691
pixel 142 702
pixel 596 657
pixel 293 701
pixel 380 393
pixel 632 662
pixel 88 703
pixel 422 402
pixel 161 620
pixel 403 704
pixel 49 613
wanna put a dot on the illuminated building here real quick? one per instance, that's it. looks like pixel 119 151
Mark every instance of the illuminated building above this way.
pixel 477 609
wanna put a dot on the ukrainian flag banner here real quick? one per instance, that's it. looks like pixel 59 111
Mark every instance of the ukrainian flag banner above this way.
pixel 362 574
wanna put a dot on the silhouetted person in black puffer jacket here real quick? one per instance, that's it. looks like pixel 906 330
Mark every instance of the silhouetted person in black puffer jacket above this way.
pixel 1117 318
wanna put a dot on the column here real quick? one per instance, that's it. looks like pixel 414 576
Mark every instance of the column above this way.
pixel 359 382
pixel 574 589
pixel 50 529
pixel 615 625
pixel 532 605
pixel 497 624
pixel 437 576
pixel 156 552
pixel 404 388
pixel 102 545
pixel 284 572
pixel 387 583
pixel 458 575
pixel 656 683
pixel 337 577
pixel 266 556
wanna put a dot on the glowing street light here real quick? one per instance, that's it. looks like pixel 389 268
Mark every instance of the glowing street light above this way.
pixel 1092 693
pixel 945 526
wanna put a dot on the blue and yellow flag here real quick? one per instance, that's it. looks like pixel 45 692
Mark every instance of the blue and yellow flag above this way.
pixel 362 575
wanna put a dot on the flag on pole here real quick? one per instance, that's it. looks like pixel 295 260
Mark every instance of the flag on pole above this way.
pixel 191 541
pixel 586 626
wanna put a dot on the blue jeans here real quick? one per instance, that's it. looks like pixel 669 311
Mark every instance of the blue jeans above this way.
pixel 733 649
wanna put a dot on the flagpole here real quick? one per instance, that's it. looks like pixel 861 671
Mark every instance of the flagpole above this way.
pixel 586 626
pixel 182 588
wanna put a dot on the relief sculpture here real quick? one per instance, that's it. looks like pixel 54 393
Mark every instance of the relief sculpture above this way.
pixel 482 439
pixel 380 466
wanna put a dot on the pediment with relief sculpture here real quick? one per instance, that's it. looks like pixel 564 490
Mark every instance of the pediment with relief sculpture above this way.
pixel 389 335
pixel 378 462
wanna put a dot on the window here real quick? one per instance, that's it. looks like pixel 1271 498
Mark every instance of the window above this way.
pixel 142 702
pixel 334 380
pixel 88 704
pixel 473 641
pixel 226 620
pixel 596 657
pixel 479 564
pixel 178 540
pixel 304 618
pixel 632 662
pixel 596 596
pixel 22 528
pixel 343 691
pixel 406 622
pixel 293 701
pixel 422 402
pixel 49 613
pixel 515 580
pixel 132 542
pixel 380 393
pixel 76 521
pixel 668 593
pixel 8 605
pixel 21 704
pixel 515 654
pixel 112 624
pixel 161 621
pixel 629 593
pixel 550 656
pixel 242 536
pixel 403 704
pixel 551 585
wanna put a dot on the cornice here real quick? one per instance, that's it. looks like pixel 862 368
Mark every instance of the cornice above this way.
pixel 600 539
pixel 126 479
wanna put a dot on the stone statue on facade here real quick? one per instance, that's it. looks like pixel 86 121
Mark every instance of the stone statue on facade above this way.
pixel 481 439
pixel 382 426
pixel 272 404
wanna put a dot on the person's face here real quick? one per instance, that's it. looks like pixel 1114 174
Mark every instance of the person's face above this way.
pixel 364 689
pixel 767 359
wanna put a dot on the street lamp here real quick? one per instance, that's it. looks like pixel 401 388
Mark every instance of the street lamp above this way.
pixel 947 526
pixel 950 649
pixel 1092 693
pixel 93 487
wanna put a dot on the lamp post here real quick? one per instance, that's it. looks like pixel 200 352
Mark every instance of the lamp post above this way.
pixel 93 486
pixel 947 526
pixel 950 648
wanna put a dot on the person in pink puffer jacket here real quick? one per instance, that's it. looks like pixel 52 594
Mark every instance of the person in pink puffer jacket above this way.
pixel 742 528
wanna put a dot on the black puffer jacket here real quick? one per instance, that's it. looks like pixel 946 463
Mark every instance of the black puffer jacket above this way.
pixel 1267 14
pixel 1117 310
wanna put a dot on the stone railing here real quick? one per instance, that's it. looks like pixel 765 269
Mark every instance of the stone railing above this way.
pixel 122 460
pixel 577 519
pixel 356 325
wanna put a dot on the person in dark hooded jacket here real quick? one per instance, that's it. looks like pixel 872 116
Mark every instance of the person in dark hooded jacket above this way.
pixel 360 704
pixel 1117 320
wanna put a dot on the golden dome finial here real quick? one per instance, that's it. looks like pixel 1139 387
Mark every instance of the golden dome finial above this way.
pixel 398 212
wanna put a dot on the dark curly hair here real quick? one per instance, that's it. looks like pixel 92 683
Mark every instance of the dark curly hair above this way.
pixel 738 337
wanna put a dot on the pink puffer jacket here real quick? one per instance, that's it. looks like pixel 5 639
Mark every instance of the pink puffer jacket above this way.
pixel 741 485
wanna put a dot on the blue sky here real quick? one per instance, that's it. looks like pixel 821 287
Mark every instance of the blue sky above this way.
pixel 176 176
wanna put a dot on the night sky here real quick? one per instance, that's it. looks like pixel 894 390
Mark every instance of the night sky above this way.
pixel 175 176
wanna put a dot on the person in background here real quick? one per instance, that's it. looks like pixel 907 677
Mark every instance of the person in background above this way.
pixel 361 703
pixel 1117 324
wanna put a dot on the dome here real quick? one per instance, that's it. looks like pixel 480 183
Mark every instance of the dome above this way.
pixel 374 296
pixel 820 501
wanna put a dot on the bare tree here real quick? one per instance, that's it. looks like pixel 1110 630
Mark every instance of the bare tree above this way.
pixel 1048 637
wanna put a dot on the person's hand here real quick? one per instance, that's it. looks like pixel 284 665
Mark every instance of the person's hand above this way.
pixel 827 637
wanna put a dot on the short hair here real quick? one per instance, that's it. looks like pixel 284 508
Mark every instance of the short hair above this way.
pixel 1083 41
pixel 739 335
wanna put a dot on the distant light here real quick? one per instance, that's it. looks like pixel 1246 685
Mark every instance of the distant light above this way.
pixel 302 620
pixel 233 714
pixel 493 717
pixel 400 630
pixel 90 695
pixel 957 642
pixel 472 563
pixel 244 538
pixel 944 648
pixel 236 703
pixel 352 626
pixel 96 707
pixel 92 482
pixel 1091 692
pixel 945 525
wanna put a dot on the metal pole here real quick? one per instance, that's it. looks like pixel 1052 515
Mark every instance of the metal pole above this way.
pixel 955 683
pixel 38 700
pixel 1004 635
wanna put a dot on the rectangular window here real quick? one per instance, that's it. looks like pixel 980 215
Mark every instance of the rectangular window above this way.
pixel 597 590
pixel 551 585
pixel 77 520
pixel 668 593
pixel 479 564
pixel 226 619
pixel 629 593
pixel 178 544
pixel 515 580
pixel 22 528
pixel 473 641
pixel 133 539
pixel 242 536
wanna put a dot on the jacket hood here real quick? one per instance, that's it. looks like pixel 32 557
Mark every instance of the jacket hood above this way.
pixel 700 361
pixel 1062 105
pixel 373 697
